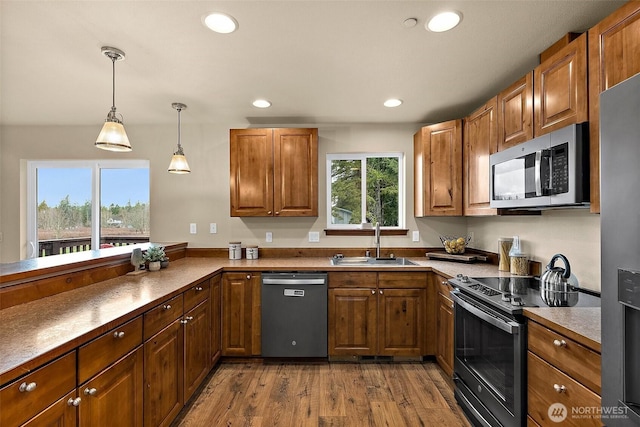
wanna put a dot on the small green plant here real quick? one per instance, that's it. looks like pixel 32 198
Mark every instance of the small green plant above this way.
pixel 154 253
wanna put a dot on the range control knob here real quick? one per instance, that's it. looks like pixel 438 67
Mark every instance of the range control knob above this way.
pixel 506 297
pixel 517 301
pixel 465 279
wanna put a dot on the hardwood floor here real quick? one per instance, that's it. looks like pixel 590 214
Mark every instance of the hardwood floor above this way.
pixel 269 394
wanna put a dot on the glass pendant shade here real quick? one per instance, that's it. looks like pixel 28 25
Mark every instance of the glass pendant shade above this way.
pixel 113 137
pixel 179 163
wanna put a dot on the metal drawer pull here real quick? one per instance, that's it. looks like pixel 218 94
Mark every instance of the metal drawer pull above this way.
pixel 248 275
pixel 74 402
pixel 444 283
pixel 380 291
pixel 184 322
pixel 167 307
pixel 27 387
pixel 189 317
pixel 559 388
pixel 560 343
pixel 198 288
pixel 90 391
pixel 373 291
pixel 117 334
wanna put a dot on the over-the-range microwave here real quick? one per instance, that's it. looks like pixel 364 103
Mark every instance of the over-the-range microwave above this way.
pixel 551 170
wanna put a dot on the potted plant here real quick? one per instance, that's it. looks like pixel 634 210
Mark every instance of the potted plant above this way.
pixel 154 255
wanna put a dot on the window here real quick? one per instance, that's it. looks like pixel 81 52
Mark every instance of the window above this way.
pixel 366 187
pixel 79 205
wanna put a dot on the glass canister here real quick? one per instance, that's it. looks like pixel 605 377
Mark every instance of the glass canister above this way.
pixel 504 246
pixel 519 264
pixel 252 251
pixel 235 250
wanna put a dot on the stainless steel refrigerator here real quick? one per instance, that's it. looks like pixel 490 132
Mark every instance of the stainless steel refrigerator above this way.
pixel 620 252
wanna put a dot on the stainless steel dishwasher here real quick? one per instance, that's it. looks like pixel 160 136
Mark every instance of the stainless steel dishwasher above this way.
pixel 294 314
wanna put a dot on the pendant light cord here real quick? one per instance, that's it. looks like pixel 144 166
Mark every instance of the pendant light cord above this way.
pixel 113 77
pixel 179 111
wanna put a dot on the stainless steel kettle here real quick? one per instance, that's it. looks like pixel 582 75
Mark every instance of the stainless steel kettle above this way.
pixel 558 286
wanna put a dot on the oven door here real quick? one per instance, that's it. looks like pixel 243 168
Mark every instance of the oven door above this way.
pixel 489 364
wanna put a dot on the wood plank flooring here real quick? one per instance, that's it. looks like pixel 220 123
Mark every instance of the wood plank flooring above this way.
pixel 323 394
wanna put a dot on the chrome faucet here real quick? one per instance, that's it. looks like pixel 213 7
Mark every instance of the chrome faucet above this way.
pixel 377 240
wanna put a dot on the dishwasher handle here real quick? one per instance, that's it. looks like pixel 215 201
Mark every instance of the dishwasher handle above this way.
pixel 292 281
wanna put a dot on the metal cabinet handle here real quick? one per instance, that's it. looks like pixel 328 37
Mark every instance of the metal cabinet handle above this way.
pixel 560 343
pixel 269 212
pixel 277 212
pixel 90 391
pixel 167 306
pixel 117 334
pixel 559 388
pixel 189 317
pixel 198 288
pixel 373 291
pixel 248 276
pixel 184 322
pixel 74 402
pixel 24 387
pixel 444 283
pixel 380 291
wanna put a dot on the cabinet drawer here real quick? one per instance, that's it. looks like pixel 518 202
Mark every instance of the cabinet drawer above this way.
pixel 564 353
pixel 159 317
pixel 46 385
pixel 352 279
pixel 443 286
pixel 406 280
pixel 109 347
pixel 196 294
pixel 547 386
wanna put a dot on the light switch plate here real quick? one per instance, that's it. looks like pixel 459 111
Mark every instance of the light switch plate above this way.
pixel 314 236
pixel 269 237
pixel 415 236
pixel 213 228
pixel 192 228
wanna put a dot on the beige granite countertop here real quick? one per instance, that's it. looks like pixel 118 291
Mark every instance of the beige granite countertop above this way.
pixel 581 324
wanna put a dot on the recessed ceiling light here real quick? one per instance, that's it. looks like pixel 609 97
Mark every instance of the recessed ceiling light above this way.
pixel 261 103
pixel 444 21
pixel 221 23
pixel 393 102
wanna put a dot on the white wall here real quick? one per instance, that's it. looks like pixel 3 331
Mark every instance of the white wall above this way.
pixel 203 196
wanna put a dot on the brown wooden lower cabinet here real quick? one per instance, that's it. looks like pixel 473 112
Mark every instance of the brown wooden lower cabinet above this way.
pixel 241 314
pixel 444 347
pixel 215 299
pixel 63 413
pixel 197 347
pixel 373 321
pixel 114 397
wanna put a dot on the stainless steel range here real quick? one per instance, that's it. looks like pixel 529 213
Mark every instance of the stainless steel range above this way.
pixel 490 345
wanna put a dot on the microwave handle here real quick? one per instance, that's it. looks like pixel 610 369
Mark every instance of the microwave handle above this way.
pixel 538 177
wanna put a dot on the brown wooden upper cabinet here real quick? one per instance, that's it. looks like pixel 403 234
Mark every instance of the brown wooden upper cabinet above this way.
pixel 437 153
pixel 614 44
pixel 480 141
pixel 515 113
pixel 274 172
pixel 560 88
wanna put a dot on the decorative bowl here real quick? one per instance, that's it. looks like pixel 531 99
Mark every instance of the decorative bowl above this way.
pixel 454 245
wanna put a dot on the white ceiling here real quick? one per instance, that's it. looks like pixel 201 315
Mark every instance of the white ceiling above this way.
pixel 316 61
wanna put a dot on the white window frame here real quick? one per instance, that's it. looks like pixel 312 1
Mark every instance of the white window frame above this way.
pixel 95 166
pixel 362 157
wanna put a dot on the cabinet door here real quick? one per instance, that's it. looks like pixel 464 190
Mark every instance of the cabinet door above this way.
pixel 163 375
pixel 295 171
pixel 238 317
pixel 401 319
pixel 216 318
pixel 61 414
pixel 515 113
pixel 352 322
pixel 197 347
pixel 251 172
pixel 480 141
pixel 614 44
pixel 438 169
pixel 444 352
pixel 114 397
pixel 560 88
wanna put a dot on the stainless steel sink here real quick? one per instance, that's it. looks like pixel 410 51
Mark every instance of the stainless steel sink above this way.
pixel 368 261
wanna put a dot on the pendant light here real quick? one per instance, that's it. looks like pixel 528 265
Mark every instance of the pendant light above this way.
pixel 179 161
pixel 113 136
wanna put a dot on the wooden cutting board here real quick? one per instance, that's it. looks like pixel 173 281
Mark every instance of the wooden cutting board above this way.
pixel 459 258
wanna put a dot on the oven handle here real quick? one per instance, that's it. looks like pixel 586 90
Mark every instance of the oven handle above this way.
pixel 510 327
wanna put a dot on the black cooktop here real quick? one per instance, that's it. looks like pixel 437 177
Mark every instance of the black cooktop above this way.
pixel 511 293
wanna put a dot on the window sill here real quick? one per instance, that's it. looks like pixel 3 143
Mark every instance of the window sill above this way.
pixel 365 232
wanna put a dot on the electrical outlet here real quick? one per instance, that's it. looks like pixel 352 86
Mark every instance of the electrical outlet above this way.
pixel 192 228
pixel 416 236
pixel 314 236
pixel 213 228
pixel 269 237
pixel 472 237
